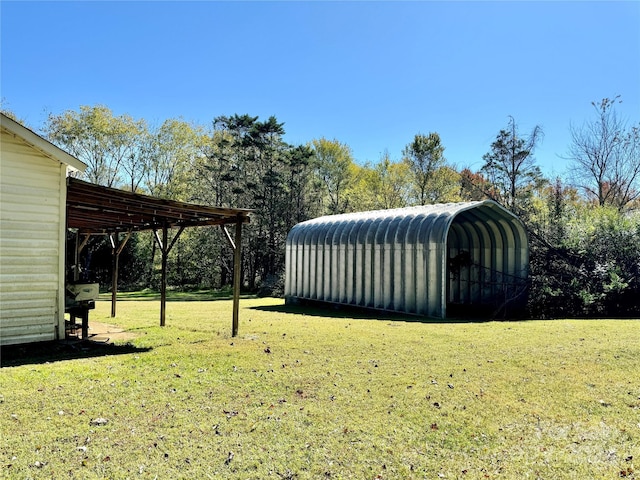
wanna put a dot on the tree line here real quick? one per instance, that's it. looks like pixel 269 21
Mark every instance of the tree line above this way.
pixel 584 230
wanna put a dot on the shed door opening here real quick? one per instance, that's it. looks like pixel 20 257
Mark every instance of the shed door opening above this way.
pixel 483 272
pixel 469 271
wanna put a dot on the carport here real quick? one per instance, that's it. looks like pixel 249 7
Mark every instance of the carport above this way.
pixel 468 258
pixel 98 210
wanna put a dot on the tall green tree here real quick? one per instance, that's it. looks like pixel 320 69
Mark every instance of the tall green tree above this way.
pixel 424 156
pixel 510 166
pixel 236 142
pixel 225 178
pixel 389 183
pixel 444 186
pixel 358 193
pixel 212 166
pixel 247 163
pixel 305 195
pixel 105 142
pixel 270 197
pixel 171 153
pixel 334 167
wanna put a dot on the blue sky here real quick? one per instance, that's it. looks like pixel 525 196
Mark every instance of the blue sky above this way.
pixel 369 74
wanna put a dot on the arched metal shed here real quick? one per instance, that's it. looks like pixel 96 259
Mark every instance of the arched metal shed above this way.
pixel 431 260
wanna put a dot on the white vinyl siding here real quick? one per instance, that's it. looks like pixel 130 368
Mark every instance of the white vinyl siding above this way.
pixel 32 201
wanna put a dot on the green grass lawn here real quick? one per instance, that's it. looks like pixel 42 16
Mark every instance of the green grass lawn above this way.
pixel 316 394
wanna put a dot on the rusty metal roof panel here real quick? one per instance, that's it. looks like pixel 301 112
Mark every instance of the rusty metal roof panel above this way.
pixel 97 209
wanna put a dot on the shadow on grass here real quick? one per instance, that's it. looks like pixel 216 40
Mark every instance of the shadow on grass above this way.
pixel 327 310
pixel 47 352
pixel 197 296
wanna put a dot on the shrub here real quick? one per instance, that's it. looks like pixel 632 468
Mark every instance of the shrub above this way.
pixel 593 270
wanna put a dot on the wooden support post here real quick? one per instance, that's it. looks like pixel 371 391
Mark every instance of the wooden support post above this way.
pixel 87 236
pixel 114 280
pixel 116 250
pixel 165 248
pixel 163 282
pixel 237 276
pixel 76 258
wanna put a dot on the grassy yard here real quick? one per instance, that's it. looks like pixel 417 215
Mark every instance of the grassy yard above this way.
pixel 316 394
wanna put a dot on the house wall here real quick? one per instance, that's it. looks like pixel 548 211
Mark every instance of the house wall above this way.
pixel 32 216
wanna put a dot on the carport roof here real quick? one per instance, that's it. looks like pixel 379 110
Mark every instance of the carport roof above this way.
pixel 94 209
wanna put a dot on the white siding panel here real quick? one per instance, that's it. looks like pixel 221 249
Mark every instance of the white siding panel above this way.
pixel 25 251
pixel 30 249
pixel 24 277
pixel 30 204
pixel 14 303
pixel 44 288
pixel 22 212
pixel 20 192
pixel 27 173
pixel 27 333
pixel 9 262
pixel 15 145
pixel 19 270
pixel 26 295
pixel 18 316
pixel 33 230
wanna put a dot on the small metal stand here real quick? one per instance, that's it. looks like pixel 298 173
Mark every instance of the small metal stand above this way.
pixel 79 311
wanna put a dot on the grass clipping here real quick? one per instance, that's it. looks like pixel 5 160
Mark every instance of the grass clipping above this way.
pixel 300 395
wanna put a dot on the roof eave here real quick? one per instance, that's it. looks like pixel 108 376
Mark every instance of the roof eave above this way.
pixel 41 144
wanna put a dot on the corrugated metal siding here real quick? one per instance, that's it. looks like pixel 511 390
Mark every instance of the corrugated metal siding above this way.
pixel 30 244
pixel 412 260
